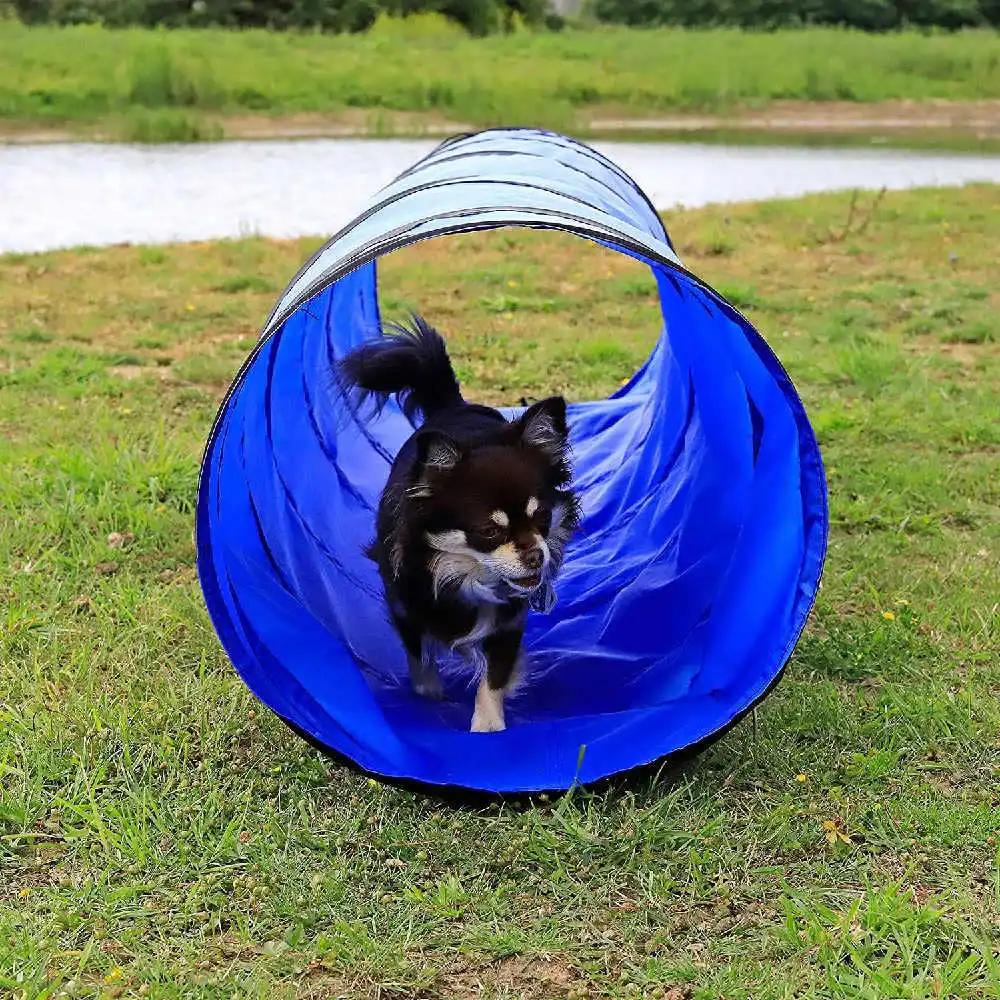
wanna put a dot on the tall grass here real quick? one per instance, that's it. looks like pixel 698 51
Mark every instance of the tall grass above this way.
pixel 156 125
pixel 527 78
pixel 157 76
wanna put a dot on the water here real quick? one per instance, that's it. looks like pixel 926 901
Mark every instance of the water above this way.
pixel 65 195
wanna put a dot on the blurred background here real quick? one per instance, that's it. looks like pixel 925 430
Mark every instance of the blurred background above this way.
pixel 857 80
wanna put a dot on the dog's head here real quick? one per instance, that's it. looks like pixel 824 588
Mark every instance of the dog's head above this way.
pixel 497 515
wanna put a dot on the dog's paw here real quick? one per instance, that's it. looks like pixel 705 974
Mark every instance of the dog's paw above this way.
pixel 488 716
pixel 430 688
pixel 425 679
pixel 487 722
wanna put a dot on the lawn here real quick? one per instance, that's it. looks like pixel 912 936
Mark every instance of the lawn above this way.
pixel 163 835
pixel 189 84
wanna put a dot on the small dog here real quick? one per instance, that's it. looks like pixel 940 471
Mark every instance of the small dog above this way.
pixel 473 522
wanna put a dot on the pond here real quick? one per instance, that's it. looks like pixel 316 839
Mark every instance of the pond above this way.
pixel 70 194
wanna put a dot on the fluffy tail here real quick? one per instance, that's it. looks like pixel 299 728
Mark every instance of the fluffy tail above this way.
pixel 410 362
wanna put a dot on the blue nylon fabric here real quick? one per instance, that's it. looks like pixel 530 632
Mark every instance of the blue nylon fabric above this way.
pixel 682 596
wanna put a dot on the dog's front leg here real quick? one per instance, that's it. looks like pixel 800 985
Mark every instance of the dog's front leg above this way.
pixel 502 652
pixel 424 674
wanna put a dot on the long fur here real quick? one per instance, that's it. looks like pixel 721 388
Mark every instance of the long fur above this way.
pixel 474 519
pixel 410 362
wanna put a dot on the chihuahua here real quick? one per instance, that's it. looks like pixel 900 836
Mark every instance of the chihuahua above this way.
pixel 473 522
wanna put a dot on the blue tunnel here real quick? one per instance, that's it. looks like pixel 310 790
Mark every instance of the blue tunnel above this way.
pixel 704 499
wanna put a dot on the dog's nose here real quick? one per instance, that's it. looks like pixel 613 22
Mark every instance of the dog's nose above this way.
pixel 533 558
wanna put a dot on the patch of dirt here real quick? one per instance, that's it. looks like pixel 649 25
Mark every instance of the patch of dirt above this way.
pixel 35 867
pixel 966 354
pixel 980 119
pixel 17 133
pixel 129 372
pixel 934 118
pixel 529 977
pixel 551 972
pixel 352 122
pixel 327 987
pixel 347 123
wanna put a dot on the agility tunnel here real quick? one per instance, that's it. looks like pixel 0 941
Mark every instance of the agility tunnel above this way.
pixel 685 590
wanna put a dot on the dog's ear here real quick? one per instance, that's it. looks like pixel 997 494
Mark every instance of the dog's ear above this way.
pixel 437 451
pixel 543 426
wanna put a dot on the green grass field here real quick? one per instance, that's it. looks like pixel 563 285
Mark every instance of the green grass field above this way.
pixel 163 835
pixel 176 85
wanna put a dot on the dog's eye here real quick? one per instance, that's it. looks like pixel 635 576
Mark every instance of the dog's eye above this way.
pixel 492 532
pixel 543 520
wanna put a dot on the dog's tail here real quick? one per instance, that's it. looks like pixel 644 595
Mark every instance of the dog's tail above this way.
pixel 411 362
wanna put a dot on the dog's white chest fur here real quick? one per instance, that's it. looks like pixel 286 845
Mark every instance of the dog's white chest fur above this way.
pixel 456 562
pixel 485 625
pixel 470 645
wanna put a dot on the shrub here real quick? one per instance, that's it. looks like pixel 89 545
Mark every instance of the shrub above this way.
pixel 479 17
pixel 869 15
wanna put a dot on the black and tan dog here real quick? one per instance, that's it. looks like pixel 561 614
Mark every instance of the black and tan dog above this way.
pixel 474 519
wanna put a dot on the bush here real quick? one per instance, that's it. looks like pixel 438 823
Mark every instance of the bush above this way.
pixel 479 17
pixel 429 24
pixel 869 15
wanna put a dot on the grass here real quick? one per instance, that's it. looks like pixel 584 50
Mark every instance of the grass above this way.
pixel 150 85
pixel 163 835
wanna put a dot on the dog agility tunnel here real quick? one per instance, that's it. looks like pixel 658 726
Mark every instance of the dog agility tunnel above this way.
pixel 682 595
